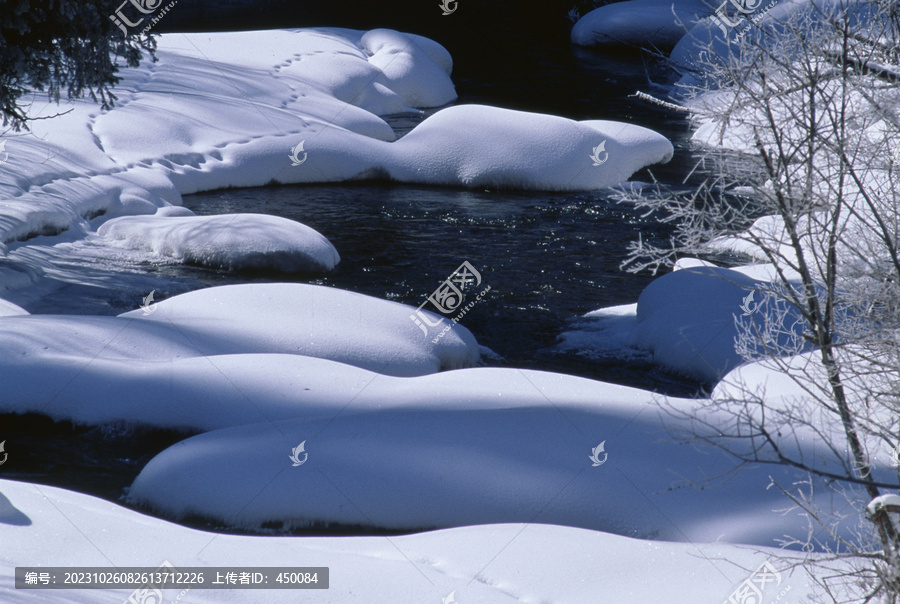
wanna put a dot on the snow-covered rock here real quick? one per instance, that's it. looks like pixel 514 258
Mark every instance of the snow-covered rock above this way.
pixel 643 23
pixel 233 241
pixel 688 320
pixel 77 367
pixel 471 447
pixel 419 78
pixel 477 145
pixel 314 320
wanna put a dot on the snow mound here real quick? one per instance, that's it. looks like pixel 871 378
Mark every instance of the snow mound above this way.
pixel 216 110
pixel 232 354
pixel 688 320
pixel 539 563
pixel 468 447
pixel 418 78
pixel 478 145
pixel 233 241
pixel 644 23
pixel 313 320
pixel 220 391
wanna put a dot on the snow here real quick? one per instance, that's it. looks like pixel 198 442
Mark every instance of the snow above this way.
pixel 391 443
pixel 687 320
pixel 765 25
pixel 419 78
pixel 482 146
pixel 793 389
pixel 884 501
pixel 86 368
pixel 233 241
pixel 644 23
pixel 513 445
pixel 8 309
pixel 489 564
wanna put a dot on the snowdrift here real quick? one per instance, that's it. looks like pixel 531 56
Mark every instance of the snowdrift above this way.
pixel 491 564
pixel 237 241
pixel 491 445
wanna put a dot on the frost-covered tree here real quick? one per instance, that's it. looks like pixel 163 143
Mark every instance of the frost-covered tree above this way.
pixel 61 45
pixel 811 98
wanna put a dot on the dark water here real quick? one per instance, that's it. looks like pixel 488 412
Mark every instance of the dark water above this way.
pixel 549 257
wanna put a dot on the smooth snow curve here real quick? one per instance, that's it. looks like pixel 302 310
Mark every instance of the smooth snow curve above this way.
pixel 481 146
pixel 640 23
pixel 232 241
pixel 510 562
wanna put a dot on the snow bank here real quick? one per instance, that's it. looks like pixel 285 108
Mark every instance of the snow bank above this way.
pixel 219 391
pixel 796 392
pixel 233 241
pixel 491 564
pixel 491 445
pixel 644 23
pixel 767 24
pixel 313 320
pixel 217 110
pixel 478 146
pixel 85 368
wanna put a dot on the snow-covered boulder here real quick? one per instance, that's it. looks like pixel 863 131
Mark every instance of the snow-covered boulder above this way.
pixel 469 447
pixel 478 146
pixel 80 367
pixel 643 23
pixel 233 241
pixel 312 320
pixel 688 321
pixel 720 37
